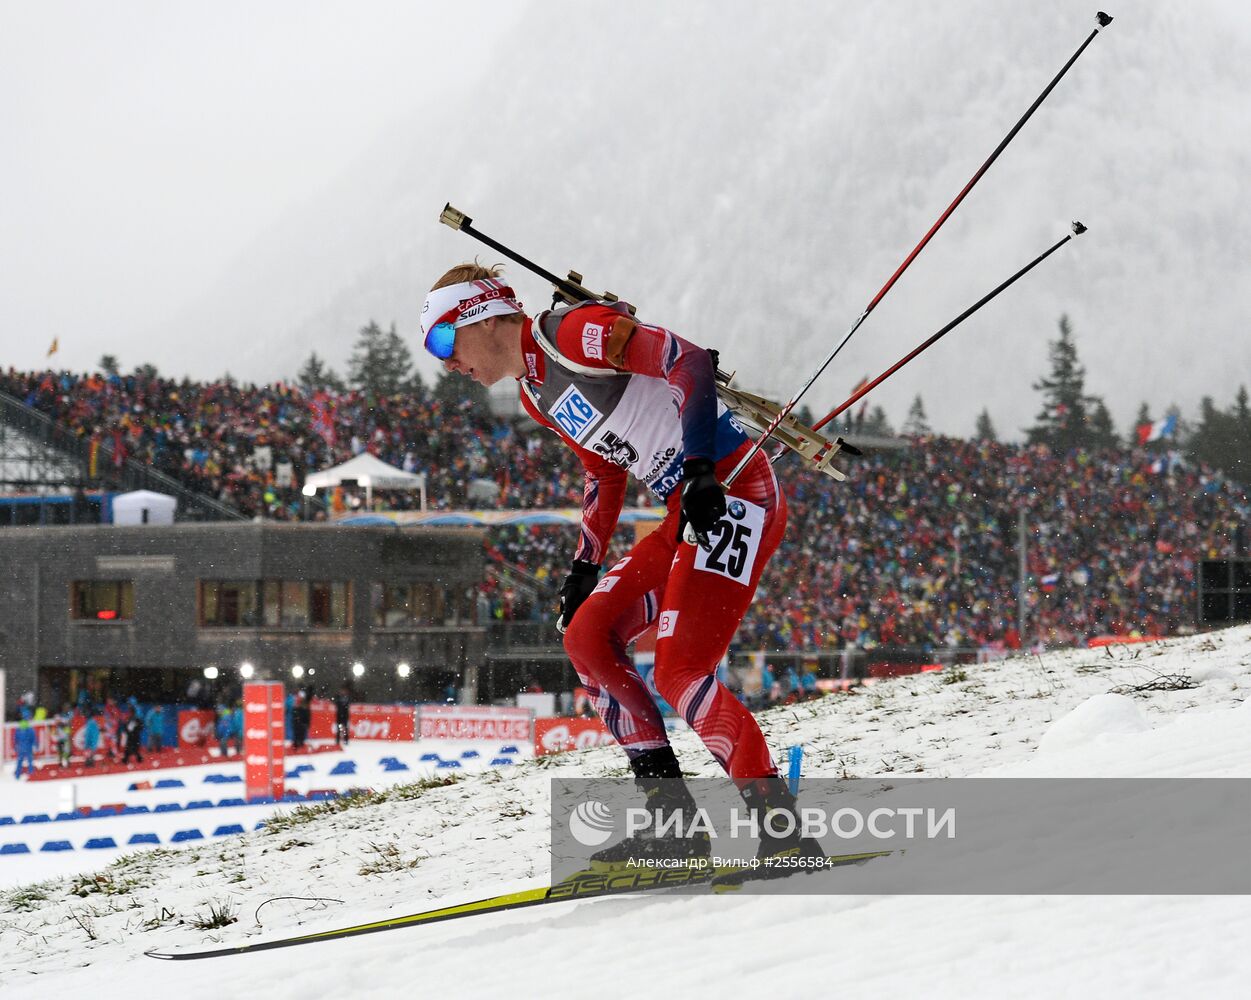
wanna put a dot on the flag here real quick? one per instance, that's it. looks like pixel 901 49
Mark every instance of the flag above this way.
pixel 54 346
pixel 865 404
pixel 323 424
pixel 1157 431
pixel 1049 581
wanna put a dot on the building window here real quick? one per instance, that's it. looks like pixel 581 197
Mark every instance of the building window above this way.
pixel 229 603
pixel 102 600
pixel 407 605
pixel 277 604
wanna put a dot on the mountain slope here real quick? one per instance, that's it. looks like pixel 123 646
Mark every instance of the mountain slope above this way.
pixel 751 175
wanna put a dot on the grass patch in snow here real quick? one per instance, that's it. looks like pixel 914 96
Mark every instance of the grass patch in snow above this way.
pixel 27 897
pixel 356 799
pixel 387 858
pixel 218 915
pixel 89 883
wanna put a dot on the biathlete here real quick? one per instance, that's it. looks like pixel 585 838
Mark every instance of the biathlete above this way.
pixel 631 398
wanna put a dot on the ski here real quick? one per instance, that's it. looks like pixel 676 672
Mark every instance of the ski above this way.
pixel 583 885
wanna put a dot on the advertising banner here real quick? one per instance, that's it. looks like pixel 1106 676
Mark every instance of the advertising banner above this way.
pixel 196 726
pixel 321 719
pixel 474 722
pixel 264 747
pixel 377 722
pixel 555 735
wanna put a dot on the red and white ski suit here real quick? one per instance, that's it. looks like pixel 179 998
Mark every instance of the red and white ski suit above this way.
pixel 699 597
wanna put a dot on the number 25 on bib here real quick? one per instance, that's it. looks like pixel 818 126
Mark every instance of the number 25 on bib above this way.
pixel 735 542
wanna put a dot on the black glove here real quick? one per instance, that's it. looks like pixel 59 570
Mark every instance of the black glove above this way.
pixel 577 588
pixel 703 499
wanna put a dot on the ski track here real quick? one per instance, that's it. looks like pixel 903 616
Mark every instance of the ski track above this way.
pixel 488 833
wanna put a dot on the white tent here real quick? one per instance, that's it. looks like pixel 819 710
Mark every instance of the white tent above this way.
pixel 369 472
pixel 143 507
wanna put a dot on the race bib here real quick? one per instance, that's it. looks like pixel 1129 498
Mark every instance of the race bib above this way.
pixel 735 542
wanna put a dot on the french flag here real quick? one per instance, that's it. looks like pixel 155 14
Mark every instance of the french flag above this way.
pixel 1158 430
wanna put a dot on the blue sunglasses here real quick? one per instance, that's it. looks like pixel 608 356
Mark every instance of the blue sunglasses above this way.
pixel 441 340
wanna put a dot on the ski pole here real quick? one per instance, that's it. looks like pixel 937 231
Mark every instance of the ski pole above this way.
pixel 1078 229
pixel 1103 21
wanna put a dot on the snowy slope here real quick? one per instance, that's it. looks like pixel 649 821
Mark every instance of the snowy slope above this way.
pixel 1027 717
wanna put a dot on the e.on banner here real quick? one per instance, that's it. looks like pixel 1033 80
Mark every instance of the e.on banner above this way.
pixel 195 727
pixel 555 735
pixel 263 739
pixel 381 722
pixel 475 722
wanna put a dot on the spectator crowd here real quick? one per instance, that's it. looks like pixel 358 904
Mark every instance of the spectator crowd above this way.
pixel 918 547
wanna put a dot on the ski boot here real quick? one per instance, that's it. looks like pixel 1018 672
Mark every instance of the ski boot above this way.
pixel 783 849
pixel 659 778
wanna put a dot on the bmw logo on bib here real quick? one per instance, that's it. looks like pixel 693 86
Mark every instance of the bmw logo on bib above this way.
pixel 737 510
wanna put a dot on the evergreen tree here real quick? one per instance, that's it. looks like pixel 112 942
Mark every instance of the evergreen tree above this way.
pixel 1101 430
pixel 1223 438
pixel 147 371
pixel 108 364
pixel 917 425
pixel 876 425
pixel 455 390
pixel 985 430
pixel 1069 418
pixel 317 376
pixel 381 362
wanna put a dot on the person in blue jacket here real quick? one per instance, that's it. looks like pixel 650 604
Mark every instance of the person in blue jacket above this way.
pixel 236 727
pixel 25 745
pixel 91 739
pixel 154 727
pixel 222 732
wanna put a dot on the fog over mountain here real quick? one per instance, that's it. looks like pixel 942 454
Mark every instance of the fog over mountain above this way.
pixel 750 175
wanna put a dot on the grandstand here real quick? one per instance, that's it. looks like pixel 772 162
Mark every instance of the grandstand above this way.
pixel 933 549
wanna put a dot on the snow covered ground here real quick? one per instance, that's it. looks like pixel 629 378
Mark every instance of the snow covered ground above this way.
pixel 1049 716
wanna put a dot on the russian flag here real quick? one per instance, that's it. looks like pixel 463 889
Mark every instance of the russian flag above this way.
pixel 1049 581
pixel 1158 430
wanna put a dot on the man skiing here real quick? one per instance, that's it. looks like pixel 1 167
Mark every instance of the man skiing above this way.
pixel 631 398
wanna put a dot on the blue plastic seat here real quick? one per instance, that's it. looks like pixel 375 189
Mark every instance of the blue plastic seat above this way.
pixel 99 843
pixel 225 803
pixel 226 829
pixel 169 783
pixel 14 849
pixel 37 818
pixel 144 838
pixel 448 763
pixel 509 749
pixel 57 845
pixel 184 835
pixel 429 756
pixel 469 754
pixel 497 761
pixel 199 804
pixel 168 807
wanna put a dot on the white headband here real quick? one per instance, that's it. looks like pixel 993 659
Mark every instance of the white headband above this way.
pixel 467 302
